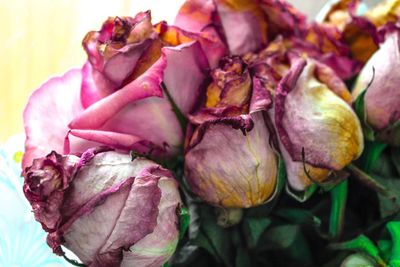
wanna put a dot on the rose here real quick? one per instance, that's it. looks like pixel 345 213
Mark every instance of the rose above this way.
pixel 382 96
pixel 316 107
pixel 108 209
pixel 45 183
pixel 229 160
pixel 315 123
pixel 125 95
pixel 245 26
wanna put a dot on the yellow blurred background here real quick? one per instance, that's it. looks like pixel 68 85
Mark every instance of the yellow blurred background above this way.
pixel 41 38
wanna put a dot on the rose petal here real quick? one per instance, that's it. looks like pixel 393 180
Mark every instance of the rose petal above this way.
pixel 196 15
pixel 261 99
pixel 383 95
pixel 157 247
pixel 145 86
pixel 104 166
pixel 283 18
pixel 230 163
pixel 94 85
pixel 185 74
pixel 244 25
pixel 211 43
pixel 117 140
pixel 47 114
pixel 138 218
pixel 296 177
pixel 310 116
pixel 113 198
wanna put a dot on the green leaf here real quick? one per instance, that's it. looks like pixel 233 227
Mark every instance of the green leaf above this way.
pixel 184 221
pixel 301 196
pixel 385 247
pixel 361 244
pixel 242 258
pixel 372 152
pixel 395 156
pixel 73 262
pixel 371 182
pixel 213 238
pixel 253 228
pixel 280 237
pixel 288 243
pixel 389 206
pixel 384 166
pixel 359 107
pixel 394 230
pixel 185 255
pixel 298 216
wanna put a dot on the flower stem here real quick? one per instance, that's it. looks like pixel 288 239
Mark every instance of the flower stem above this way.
pixel 338 200
pixel 370 182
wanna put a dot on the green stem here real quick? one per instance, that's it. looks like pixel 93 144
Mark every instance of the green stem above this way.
pixel 370 182
pixel 179 115
pixel 338 200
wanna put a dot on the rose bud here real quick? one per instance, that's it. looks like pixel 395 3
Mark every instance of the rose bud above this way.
pixel 315 123
pixel 124 95
pixel 382 95
pixel 229 160
pixel 108 209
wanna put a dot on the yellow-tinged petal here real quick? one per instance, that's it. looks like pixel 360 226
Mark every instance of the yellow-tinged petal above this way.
pixel 316 119
pixel 227 168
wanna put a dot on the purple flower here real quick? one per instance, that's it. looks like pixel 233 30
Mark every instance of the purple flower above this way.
pixel 229 159
pixel 123 96
pixel 108 209
pixel 382 97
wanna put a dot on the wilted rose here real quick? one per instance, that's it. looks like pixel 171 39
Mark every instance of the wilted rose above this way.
pixel 108 209
pixel 245 26
pixel 45 183
pixel 382 96
pixel 229 160
pixel 124 95
pixel 313 114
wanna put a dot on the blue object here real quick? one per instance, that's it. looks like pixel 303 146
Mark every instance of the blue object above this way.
pixel 22 239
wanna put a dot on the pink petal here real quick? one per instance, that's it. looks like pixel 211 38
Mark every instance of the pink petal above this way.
pixel 164 238
pixel 47 114
pixel 310 116
pixel 145 86
pixel 229 162
pixel 185 74
pixel 94 85
pixel 245 26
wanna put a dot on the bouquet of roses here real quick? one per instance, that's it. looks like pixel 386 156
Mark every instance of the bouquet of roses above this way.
pixel 227 139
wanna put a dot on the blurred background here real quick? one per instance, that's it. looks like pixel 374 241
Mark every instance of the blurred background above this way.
pixel 42 38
